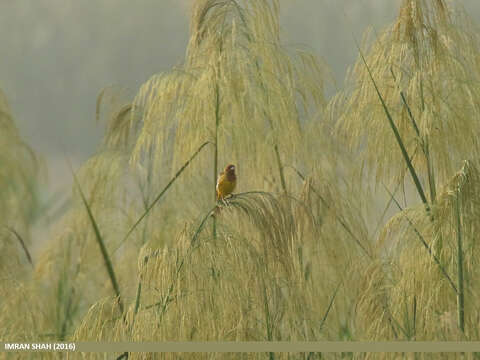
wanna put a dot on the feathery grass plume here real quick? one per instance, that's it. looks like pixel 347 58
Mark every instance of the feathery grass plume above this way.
pixel 117 195
pixel 19 203
pixel 459 211
pixel 114 109
pixel 101 242
pixel 343 221
pixel 239 88
pixel 424 293
pixel 425 65
pixel 20 312
pixel 266 276
pixel 20 171
pixel 71 269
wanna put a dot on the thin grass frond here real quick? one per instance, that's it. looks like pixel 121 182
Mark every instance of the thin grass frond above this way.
pixel 422 50
pixel 101 244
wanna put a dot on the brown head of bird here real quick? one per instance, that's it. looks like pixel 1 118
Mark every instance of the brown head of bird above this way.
pixel 230 171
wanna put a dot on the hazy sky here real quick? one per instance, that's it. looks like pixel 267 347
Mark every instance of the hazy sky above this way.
pixel 56 56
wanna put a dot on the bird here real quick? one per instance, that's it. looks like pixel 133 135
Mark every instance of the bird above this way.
pixel 226 182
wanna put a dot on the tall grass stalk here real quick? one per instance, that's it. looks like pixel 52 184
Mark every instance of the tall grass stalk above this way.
pixel 330 304
pixel 460 282
pixel 274 265
pixel 436 88
pixel 159 196
pixel 101 244
pixel 423 143
pixel 396 133
pixel 215 154
pixel 250 91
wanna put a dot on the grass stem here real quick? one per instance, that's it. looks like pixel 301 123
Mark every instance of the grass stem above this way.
pixel 159 196
pixel 396 133
pixel 101 243
pixel 460 283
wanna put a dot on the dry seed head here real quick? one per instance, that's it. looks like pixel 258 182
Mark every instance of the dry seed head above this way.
pixel 233 66
pixel 20 171
pixel 421 49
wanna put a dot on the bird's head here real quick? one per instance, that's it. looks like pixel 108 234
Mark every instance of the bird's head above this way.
pixel 230 169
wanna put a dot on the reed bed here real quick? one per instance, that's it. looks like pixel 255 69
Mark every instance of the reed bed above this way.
pixel 355 217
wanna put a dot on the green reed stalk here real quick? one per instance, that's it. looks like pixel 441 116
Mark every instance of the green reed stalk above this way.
pixel 22 243
pixel 330 304
pixel 101 244
pixel 460 282
pixel 159 196
pixel 215 156
pixel 396 133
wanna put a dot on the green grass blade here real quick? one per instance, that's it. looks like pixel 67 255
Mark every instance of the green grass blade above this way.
pixel 409 110
pixel 22 243
pixel 101 243
pixel 137 297
pixel 202 224
pixel 330 306
pixel 391 200
pixel 460 294
pixel 215 153
pixel 280 168
pixel 423 143
pixel 411 169
pixel 159 196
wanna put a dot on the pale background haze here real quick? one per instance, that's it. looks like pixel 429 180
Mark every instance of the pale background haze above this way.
pixel 57 55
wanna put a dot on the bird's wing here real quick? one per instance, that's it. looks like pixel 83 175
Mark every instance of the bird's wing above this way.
pixel 219 179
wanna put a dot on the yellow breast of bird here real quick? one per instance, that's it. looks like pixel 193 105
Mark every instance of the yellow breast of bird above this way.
pixel 224 186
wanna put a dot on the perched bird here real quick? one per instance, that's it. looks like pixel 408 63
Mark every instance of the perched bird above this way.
pixel 226 182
